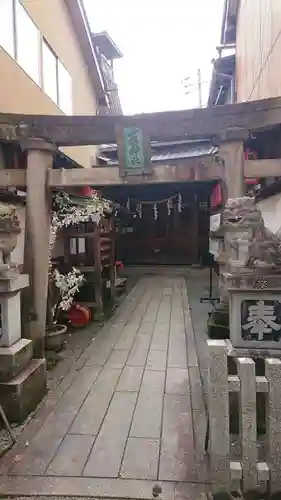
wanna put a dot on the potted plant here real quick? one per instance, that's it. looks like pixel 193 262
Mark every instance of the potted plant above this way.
pixel 62 289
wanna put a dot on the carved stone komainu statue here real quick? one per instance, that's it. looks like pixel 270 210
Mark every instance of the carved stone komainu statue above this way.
pixel 9 231
pixel 253 245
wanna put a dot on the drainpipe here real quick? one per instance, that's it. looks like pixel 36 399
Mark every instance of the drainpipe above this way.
pixel 232 86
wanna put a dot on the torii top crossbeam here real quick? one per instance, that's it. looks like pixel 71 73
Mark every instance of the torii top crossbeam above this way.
pixel 170 125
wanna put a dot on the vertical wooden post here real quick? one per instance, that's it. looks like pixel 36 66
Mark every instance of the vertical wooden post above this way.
pixel 112 269
pixel 98 271
pixel 232 154
pixel 37 239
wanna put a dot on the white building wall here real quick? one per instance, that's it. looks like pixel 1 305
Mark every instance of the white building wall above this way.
pixel 271 212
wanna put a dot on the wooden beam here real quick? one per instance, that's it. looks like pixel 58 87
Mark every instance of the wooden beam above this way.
pixel 263 168
pixel 172 125
pixel 209 170
pixel 12 178
pixel 104 176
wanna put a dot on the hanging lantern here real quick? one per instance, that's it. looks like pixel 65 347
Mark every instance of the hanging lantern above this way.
pixel 179 203
pixel 155 211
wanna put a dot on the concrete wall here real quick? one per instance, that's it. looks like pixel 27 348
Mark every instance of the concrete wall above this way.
pixel 20 94
pixel 258 49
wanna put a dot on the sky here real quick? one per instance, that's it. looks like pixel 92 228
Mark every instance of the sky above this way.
pixel 163 42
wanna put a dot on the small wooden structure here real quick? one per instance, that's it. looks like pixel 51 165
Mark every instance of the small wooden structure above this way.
pixel 90 249
pixel 165 224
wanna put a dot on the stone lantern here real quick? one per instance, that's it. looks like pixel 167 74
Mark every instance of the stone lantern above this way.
pixel 22 379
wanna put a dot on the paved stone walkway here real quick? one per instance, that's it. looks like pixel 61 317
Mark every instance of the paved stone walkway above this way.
pixel 129 414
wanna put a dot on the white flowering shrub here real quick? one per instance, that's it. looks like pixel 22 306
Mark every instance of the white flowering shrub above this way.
pixel 67 284
pixel 66 213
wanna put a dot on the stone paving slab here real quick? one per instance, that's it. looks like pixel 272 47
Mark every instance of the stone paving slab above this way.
pixel 117 359
pixel 148 415
pixel 91 414
pixel 139 350
pixel 177 381
pixel 141 459
pixel 130 379
pixel 160 338
pixel 156 360
pixel 107 453
pixel 126 418
pixel 177 356
pixel 177 459
pixel 71 456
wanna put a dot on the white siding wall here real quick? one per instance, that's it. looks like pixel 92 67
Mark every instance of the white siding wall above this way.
pixel 271 211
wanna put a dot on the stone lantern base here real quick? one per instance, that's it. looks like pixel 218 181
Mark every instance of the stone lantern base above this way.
pixel 22 379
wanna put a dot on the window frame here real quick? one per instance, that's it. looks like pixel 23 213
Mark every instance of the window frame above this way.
pixel 40 62
pixel 16 37
pixel 13 55
pixel 45 42
pixel 60 63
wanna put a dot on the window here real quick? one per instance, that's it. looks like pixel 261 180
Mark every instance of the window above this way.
pixel 27 43
pixel 21 39
pixel 65 89
pixel 7 39
pixel 50 68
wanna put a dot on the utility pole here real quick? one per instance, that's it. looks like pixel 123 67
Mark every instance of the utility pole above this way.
pixel 195 87
pixel 199 87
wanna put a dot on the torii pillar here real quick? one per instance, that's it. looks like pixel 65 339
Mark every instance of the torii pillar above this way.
pixel 37 240
pixel 231 153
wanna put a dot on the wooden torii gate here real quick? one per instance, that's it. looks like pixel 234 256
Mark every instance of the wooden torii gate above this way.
pixel 229 126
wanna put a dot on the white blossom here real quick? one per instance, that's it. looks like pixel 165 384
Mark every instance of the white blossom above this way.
pixel 68 284
pixel 69 213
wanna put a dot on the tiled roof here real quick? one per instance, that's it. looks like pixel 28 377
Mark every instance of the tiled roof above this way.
pixel 192 152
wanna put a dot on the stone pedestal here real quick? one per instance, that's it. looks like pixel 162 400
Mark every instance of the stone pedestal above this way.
pixel 14 359
pixel 21 395
pixel 10 288
pixel 255 310
pixel 22 379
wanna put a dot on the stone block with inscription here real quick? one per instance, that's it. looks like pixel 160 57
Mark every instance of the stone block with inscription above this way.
pixel 255 311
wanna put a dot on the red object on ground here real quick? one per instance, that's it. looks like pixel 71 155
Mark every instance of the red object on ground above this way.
pixel 79 315
pixel 119 264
